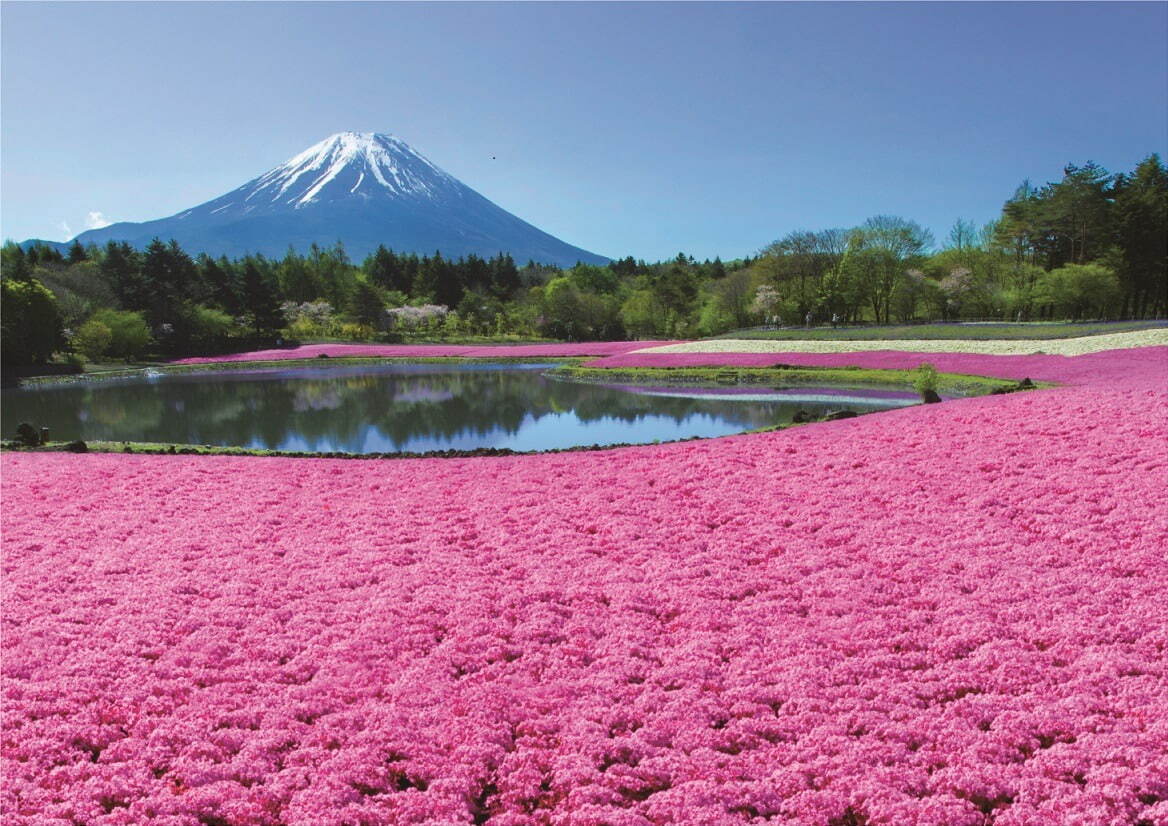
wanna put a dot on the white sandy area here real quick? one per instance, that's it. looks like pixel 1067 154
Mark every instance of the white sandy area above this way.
pixel 1020 347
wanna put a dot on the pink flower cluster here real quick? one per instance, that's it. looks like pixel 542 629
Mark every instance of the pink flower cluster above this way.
pixel 950 614
pixel 418 351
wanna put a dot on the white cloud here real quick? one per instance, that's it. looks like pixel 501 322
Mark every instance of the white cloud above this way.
pixel 67 232
pixel 95 220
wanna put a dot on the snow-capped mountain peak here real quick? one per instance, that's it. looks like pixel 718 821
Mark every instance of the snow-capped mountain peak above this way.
pixel 353 163
pixel 363 188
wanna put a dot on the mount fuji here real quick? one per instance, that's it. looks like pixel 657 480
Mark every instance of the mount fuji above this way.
pixel 362 188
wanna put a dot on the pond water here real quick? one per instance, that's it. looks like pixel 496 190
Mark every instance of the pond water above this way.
pixel 409 407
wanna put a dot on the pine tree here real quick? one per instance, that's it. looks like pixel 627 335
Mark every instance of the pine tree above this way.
pixel 504 276
pixel 1141 211
pixel 121 267
pixel 14 263
pixel 367 304
pixel 220 279
pixel 77 253
pixel 384 270
pixel 170 277
pixel 260 299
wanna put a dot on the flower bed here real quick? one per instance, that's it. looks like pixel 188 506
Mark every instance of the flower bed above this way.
pixel 951 614
pixel 419 351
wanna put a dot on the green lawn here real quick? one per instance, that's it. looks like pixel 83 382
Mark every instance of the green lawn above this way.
pixel 978 331
pixel 955 384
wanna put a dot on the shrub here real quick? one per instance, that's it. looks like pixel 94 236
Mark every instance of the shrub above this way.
pixel 129 334
pixel 210 326
pixel 304 328
pixel 356 332
pixel 92 340
pixel 925 380
pixel 27 435
pixel 1080 290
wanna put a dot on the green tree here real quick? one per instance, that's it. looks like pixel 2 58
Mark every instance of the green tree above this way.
pixel 92 340
pixel 130 335
pixel 222 283
pixel 591 279
pixel 1066 222
pixel 504 276
pixel 208 328
pixel 797 264
pixel 728 305
pixel 261 300
pixel 1079 209
pixel 77 253
pixel 30 322
pixel 437 282
pixel 170 278
pixel 14 263
pixel 121 267
pixel 79 290
pixel 385 270
pixel 1079 291
pixel 367 304
pixel 674 287
pixel 332 270
pixel 641 314
pixel 1141 213
pixel 885 248
pixel 298 281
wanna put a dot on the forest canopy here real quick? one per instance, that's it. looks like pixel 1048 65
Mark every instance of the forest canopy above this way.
pixel 1093 245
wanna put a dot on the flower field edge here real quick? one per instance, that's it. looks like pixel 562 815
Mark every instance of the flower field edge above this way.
pixel 943 615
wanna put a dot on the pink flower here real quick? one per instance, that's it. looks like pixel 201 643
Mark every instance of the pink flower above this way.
pixel 936 615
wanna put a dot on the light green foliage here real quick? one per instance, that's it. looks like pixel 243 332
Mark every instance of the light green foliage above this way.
pixel 356 332
pixel 92 340
pixel 452 325
pixel 209 327
pixel 925 379
pixel 129 333
pixel 592 279
pixel 1080 291
pixel 640 314
pixel 304 329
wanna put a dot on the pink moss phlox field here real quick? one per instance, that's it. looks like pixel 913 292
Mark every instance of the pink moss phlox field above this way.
pixel 949 615
pixel 418 351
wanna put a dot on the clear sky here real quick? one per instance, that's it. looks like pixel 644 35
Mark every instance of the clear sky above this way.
pixel 639 129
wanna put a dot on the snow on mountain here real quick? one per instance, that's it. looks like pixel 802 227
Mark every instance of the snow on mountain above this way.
pixel 362 188
pixel 382 165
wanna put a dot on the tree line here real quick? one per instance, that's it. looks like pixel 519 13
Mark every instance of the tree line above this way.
pixel 1091 245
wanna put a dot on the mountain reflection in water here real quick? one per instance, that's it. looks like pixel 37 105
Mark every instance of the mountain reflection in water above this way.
pixel 409 407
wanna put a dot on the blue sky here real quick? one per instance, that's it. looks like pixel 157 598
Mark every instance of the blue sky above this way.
pixel 639 129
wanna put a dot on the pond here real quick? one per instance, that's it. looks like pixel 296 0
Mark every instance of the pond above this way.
pixel 414 407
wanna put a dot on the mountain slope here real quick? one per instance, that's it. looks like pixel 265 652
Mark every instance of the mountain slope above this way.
pixel 362 188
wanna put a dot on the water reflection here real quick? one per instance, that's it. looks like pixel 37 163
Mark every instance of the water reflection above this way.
pixel 417 407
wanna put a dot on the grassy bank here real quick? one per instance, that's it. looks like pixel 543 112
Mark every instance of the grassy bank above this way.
pixel 953 384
